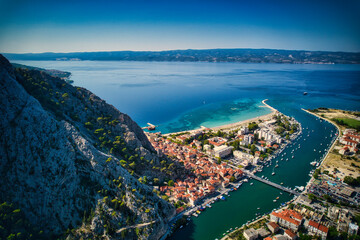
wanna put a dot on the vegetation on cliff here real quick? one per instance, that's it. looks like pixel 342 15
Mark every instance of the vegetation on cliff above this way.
pixel 71 162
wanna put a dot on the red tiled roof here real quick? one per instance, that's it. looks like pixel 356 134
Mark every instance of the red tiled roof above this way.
pixel 318 226
pixel 273 225
pixel 289 216
pixel 290 233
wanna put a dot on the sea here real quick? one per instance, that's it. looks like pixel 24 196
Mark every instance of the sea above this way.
pixel 179 96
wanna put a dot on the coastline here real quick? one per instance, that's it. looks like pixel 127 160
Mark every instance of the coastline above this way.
pixel 231 126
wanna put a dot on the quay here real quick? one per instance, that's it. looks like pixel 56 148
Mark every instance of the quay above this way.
pixel 275 185
pixel 150 127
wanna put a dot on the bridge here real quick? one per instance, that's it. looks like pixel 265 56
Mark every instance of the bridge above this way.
pixel 275 185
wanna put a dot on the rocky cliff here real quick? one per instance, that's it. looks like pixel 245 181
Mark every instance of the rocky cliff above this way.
pixel 71 161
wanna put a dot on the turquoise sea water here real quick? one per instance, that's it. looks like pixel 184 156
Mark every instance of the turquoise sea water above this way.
pixel 182 96
pixel 179 96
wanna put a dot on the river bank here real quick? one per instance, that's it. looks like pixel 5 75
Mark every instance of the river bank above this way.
pixel 311 180
pixel 259 165
pixel 330 149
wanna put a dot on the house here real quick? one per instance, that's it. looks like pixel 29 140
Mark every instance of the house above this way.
pixel 353 229
pixel 280 237
pixel 273 227
pixel 305 199
pixel 317 229
pixel 217 141
pixel 290 235
pixel 250 234
pixel 344 151
pixel 287 218
pixel 262 232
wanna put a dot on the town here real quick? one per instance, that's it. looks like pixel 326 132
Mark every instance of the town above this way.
pixel 220 160
pixel 326 209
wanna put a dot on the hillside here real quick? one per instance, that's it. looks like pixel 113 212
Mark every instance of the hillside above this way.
pixel 71 162
pixel 242 55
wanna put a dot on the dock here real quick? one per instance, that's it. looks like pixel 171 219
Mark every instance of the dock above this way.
pixel 150 127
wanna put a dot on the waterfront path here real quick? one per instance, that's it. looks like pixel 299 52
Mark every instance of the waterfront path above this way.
pixel 275 185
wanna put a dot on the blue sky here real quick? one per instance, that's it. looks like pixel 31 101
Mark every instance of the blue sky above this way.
pixel 103 25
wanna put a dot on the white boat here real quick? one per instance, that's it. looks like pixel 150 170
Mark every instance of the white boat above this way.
pixel 251 183
pixel 273 173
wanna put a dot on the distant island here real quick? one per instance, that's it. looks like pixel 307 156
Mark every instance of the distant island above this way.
pixel 242 55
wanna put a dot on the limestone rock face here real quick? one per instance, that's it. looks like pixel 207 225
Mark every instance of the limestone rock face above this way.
pixel 51 168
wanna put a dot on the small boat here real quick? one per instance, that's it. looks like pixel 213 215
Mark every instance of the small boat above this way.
pixel 277 198
pixel 273 173
pixel 222 197
pixel 274 200
pixel 305 93
pixel 276 165
pixel 251 183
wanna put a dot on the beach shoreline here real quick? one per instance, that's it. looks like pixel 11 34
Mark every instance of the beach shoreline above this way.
pixel 232 126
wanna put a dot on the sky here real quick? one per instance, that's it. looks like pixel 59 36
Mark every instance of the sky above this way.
pixel 155 25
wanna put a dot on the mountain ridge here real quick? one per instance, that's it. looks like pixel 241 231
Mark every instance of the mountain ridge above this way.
pixel 66 176
pixel 244 55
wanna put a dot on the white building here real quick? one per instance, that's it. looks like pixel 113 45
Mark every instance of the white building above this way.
pixel 239 154
pixel 353 229
pixel 222 151
pixel 243 131
pixel 250 234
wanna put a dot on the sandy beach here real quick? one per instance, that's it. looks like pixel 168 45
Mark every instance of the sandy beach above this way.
pixel 233 126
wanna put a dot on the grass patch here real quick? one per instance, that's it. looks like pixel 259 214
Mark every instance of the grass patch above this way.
pixel 352 123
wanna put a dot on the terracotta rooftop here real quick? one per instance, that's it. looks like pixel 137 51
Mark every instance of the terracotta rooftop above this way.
pixel 289 216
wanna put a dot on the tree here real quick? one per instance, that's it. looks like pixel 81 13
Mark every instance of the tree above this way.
pixel 156 181
pixel 171 183
pixel 132 165
pixel 352 181
pixel 311 196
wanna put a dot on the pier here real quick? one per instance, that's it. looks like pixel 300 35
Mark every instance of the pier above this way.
pixel 150 127
pixel 275 185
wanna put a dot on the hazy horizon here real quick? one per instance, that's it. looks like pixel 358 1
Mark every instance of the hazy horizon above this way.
pixel 195 49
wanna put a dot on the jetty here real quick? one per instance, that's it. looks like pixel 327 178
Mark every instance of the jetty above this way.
pixel 150 127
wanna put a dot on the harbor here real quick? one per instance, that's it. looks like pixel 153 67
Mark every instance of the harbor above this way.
pixel 255 198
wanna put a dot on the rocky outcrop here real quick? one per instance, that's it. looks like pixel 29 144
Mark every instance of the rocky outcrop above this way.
pixel 55 168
